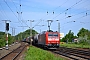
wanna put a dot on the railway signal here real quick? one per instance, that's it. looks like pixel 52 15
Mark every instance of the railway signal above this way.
pixel 6 31
pixel 7 26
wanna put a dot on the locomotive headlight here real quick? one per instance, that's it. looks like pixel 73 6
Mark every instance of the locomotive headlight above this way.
pixel 49 44
pixel 57 44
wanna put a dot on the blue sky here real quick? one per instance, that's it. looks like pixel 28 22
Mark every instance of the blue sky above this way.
pixel 36 10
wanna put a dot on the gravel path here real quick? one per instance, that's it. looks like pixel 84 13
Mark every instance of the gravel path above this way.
pixel 4 52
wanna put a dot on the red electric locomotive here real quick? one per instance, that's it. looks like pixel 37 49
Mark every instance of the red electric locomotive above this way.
pixel 49 39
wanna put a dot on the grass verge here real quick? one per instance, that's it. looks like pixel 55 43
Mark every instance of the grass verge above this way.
pixel 34 53
pixel 72 45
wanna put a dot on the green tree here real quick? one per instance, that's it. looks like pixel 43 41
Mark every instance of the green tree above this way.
pixel 84 36
pixel 3 39
pixel 82 32
pixel 25 34
pixel 69 37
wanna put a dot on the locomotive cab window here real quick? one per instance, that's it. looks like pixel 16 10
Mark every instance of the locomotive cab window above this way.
pixel 56 35
pixel 50 34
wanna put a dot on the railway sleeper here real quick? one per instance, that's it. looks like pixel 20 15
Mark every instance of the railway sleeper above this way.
pixel 82 56
pixel 66 55
pixel 78 52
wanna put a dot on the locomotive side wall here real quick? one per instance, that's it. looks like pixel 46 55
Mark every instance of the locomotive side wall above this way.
pixel 42 39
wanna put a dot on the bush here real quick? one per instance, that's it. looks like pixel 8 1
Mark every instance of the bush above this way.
pixel 3 40
pixel 2 43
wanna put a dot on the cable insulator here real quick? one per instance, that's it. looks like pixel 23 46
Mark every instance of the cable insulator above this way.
pixel 47 12
pixel 21 12
pixel 53 12
pixel 67 9
pixel 86 14
pixel 65 13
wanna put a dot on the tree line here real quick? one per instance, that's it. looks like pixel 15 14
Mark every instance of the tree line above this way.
pixel 83 36
pixel 12 39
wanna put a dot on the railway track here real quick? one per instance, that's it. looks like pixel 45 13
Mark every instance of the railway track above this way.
pixel 74 54
pixel 15 53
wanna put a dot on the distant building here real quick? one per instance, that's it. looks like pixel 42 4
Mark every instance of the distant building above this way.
pixel 61 35
pixel 75 40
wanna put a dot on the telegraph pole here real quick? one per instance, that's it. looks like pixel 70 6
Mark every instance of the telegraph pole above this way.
pixel 6 32
pixel 23 29
pixel 31 30
pixel 31 26
pixel 13 31
pixel 58 26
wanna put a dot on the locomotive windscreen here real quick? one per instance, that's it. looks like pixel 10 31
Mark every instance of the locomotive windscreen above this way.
pixel 55 35
pixel 50 35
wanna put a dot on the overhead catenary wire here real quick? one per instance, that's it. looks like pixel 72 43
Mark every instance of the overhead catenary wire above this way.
pixel 66 0
pixel 3 15
pixel 80 23
pixel 19 11
pixel 54 13
pixel 76 20
pixel 68 8
pixel 37 23
pixel 15 5
pixel 81 8
pixel 10 9
pixel 1 25
pixel 86 14
pixel 75 4
pixel 83 16
pixel 63 11
pixel 53 10
pixel 61 5
pixel 3 12
pixel 83 2
pixel 70 16
pixel 76 14
pixel 14 13
pixel 81 12
pixel 21 18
